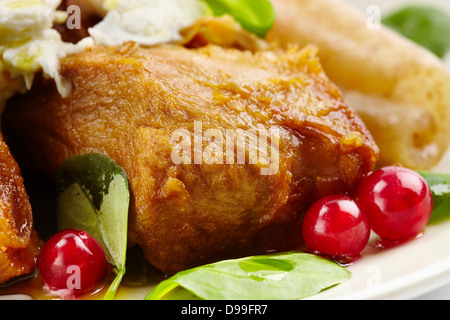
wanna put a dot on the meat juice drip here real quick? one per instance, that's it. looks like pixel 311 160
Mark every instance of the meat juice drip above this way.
pixel 31 287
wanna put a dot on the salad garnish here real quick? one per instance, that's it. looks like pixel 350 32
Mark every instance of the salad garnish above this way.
pixel 93 196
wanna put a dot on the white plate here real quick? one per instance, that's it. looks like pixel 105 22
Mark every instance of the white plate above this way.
pixel 404 272
pixel 413 270
pixel 408 271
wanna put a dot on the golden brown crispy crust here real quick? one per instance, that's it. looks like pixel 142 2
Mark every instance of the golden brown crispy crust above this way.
pixel 16 262
pixel 19 246
pixel 127 102
pixel 221 31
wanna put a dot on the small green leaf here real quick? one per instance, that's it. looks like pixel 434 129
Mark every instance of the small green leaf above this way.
pixel 257 16
pixel 440 187
pixel 427 26
pixel 93 196
pixel 287 276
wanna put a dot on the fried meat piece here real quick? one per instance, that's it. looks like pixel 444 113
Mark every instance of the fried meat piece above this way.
pixel 19 243
pixel 148 108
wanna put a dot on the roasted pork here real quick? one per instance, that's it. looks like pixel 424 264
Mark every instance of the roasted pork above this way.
pixel 165 113
pixel 19 243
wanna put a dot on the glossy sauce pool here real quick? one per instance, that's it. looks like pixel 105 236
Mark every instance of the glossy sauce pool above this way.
pixel 140 277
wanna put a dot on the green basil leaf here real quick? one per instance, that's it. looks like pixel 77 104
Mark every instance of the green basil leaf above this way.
pixel 440 187
pixel 427 26
pixel 257 16
pixel 93 196
pixel 285 276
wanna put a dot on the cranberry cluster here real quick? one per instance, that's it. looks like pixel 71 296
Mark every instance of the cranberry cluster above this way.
pixel 395 202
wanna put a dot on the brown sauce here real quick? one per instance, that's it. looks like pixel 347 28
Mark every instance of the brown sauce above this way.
pixel 137 282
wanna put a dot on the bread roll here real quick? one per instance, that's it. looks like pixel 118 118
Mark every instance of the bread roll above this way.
pixel 401 90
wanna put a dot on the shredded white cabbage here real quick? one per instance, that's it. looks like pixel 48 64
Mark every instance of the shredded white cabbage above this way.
pixel 28 43
pixel 147 22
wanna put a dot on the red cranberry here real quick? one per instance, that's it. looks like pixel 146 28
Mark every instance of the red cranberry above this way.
pixel 72 263
pixel 335 226
pixel 397 201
